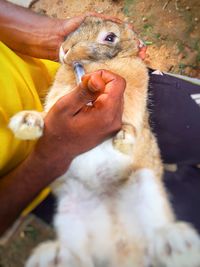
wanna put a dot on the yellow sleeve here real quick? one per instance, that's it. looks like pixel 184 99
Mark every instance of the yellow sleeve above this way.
pixel 23 83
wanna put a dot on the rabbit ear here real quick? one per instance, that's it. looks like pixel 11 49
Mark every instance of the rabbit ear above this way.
pixel 142 52
pixel 142 49
pixel 141 45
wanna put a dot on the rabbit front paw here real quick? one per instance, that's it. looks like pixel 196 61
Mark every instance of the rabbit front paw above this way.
pixel 125 139
pixel 27 125
pixel 177 245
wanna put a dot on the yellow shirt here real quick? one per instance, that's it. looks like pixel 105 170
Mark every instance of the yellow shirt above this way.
pixel 23 83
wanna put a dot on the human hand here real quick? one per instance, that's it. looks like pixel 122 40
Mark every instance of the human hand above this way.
pixel 72 127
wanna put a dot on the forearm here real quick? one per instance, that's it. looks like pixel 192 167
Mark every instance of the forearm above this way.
pixel 21 186
pixel 69 131
pixel 29 33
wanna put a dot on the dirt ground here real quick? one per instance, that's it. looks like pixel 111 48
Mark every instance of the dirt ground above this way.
pixel 169 28
pixel 15 251
pixel 171 31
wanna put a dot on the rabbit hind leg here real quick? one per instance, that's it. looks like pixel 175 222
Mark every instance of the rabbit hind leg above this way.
pixel 54 254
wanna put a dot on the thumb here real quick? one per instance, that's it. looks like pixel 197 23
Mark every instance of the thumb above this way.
pixel 72 24
pixel 77 99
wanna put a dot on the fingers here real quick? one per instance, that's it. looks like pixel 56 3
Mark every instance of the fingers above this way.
pixel 93 81
pixel 110 103
pixel 87 91
pixel 114 84
pixel 72 24
pixel 110 100
pixel 109 85
pixel 75 100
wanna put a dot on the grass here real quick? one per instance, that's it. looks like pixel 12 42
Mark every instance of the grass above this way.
pixel 127 6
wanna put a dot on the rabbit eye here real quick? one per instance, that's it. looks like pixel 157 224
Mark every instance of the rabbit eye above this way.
pixel 110 37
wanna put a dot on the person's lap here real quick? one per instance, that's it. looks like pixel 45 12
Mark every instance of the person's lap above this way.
pixel 183 187
pixel 175 119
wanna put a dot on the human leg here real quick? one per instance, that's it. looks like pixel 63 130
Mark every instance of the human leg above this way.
pixel 175 119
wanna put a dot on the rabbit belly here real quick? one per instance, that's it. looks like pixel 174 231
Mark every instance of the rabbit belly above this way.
pixel 115 228
pixel 88 218
pixel 99 228
pixel 97 168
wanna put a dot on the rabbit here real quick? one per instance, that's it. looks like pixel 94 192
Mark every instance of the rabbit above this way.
pixel 112 207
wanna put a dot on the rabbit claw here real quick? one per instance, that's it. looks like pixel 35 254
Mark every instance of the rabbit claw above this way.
pixel 125 139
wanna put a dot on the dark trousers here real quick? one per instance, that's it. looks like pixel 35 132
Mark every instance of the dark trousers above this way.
pixel 175 119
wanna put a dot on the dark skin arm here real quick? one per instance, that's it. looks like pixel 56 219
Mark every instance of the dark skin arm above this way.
pixel 69 131
pixel 76 131
pixel 32 34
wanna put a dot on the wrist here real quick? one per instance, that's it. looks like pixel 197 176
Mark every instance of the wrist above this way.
pixel 52 161
pixel 43 40
pixel 48 38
